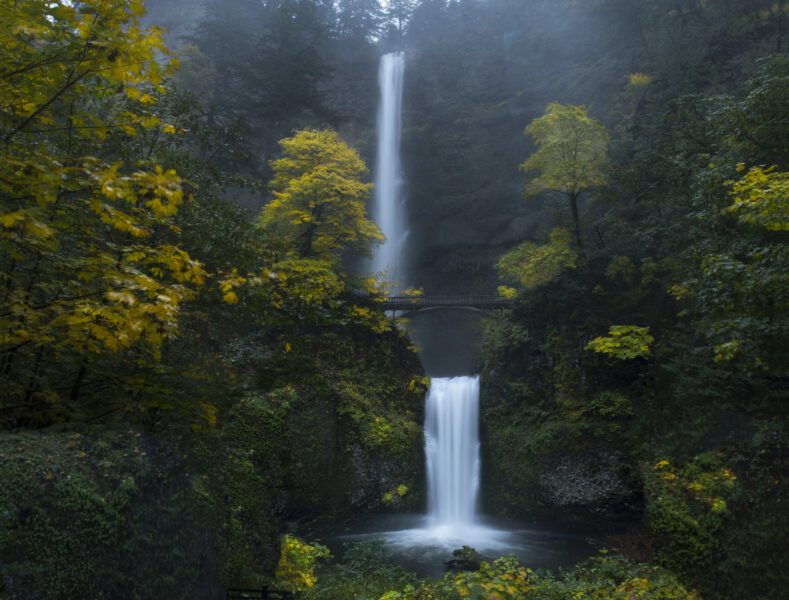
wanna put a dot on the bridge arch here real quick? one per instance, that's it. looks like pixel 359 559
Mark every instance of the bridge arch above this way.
pixel 485 304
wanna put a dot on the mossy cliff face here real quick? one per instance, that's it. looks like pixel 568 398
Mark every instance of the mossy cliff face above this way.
pixel 557 438
pixel 350 422
pixel 560 472
pixel 330 428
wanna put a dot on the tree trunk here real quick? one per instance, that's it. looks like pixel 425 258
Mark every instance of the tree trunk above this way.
pixel 576 221
pixel 75 389
pixel 31 384
pixel 308 237
pixel 306 241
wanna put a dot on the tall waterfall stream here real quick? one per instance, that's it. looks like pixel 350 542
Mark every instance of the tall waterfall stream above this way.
pixel 388 209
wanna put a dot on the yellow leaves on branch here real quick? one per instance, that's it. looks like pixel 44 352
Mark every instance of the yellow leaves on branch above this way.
pixel 157 189
pixel 761 198
pixel 297 563
pixel 57 52
pixel 26 223
pixel 142 301
pixel 288 282
pixel 84 272
pixel 374 319
pixel 162 190
pixel 623 342
pixel 311 281
pixel 639 79
pixel 228 284
pixel 506 292
pixel 534 265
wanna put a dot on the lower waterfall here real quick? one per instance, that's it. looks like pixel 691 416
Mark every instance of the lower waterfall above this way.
pixel 453 518
pixel 452 451
pixel 452 454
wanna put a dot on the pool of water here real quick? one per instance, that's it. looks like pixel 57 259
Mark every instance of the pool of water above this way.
pixel 413 543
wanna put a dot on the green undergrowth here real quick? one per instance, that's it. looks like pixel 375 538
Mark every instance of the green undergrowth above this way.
pixel 96 513
pixel 367 573
pixel 327 429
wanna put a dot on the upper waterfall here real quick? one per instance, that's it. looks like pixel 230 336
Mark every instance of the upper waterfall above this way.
pixel 388 209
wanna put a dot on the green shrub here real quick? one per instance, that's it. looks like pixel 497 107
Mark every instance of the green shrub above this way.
pixel 611 405
pixel 365 573
pixel 98 514
pixel 606 577
pixel 687 505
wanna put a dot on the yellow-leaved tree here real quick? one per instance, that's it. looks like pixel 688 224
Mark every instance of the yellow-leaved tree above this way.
pixel 571 153
pixel 761 198
pixel 316 216
pixel 319 205
pixel 86 266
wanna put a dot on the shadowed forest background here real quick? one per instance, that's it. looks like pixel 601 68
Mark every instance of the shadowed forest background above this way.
pixel 196 376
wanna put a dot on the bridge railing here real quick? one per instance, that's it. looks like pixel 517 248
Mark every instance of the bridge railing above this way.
pixel 472 301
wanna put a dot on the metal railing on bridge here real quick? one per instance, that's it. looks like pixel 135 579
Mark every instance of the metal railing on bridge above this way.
pixel 470 301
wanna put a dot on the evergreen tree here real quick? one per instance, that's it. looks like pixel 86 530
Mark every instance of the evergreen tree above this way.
pixel 398 14
pixel 359 19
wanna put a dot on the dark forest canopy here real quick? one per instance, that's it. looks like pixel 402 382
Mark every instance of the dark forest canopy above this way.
pixel 185 329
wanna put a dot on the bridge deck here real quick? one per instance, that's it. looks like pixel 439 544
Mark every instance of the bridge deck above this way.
pixel 411 303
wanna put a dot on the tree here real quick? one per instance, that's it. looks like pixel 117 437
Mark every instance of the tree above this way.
pixel 757 125
pixel 398 13
pixel 571 153
pixel 273 78
pixel 359 19
pixel 428 19
pixel 89 264
pixel 318 210
pixel 761 198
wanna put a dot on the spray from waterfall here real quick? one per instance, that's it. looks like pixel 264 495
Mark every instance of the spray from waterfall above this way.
pixel 388 208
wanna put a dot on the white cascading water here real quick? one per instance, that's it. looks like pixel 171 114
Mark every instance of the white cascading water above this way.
pixel 452 451
pixel 452 405
pixel 453 471
pixel 388 209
